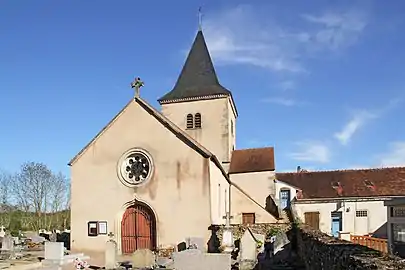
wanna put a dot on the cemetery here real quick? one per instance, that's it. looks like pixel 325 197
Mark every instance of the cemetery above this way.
pixel 48 250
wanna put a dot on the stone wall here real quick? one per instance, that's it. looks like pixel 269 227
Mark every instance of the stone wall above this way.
pixel 320 251
pixel 260 228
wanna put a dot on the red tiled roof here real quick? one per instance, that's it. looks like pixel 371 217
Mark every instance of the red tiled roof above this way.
pixel 252 160
pixel 347 183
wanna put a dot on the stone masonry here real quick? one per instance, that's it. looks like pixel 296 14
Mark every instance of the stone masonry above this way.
pixel 320 251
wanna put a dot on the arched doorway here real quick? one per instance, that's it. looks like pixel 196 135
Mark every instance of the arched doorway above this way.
pixel 138 228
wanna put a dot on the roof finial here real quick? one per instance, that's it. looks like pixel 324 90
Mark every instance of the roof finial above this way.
pixel 199 19
pixel 137 84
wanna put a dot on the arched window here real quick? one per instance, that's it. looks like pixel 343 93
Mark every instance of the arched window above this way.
pixel 190 121
pixel 197 120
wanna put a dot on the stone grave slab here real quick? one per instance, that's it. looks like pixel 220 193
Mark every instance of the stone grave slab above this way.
pixel 194 259
pixel 248 247
pixel 111 255
pixel 143 258
pixel 54 251
pixel 281 240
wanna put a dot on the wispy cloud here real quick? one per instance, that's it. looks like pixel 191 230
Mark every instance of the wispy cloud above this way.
pixel 395 155
pixel 311 151
pixel 281 101
pixel 242 36
pixel 359 119
pixel 337 30
pixel 287 85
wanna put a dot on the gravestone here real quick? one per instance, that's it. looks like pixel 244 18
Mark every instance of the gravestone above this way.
pixel 213 243
pixel 194 259
pixel 248 250
pixel 196 243
pixel 2 231
pixel 53 236
pixel 54 251
pixel 280 240
pixel 143 258
pixel 7 243
pixel 111 254
pixel 16 240
pixel 181 246
pixel 38 239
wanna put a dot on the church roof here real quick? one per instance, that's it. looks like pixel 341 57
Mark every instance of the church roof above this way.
pixel 252 160
pixel 347 183
pixel 198 79
pixel 183 136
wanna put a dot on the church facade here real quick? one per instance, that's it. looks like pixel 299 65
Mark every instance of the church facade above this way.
pixel 159 176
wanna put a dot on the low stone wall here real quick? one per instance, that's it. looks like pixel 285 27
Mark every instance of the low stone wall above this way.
pixel 260 228
pixel 321 251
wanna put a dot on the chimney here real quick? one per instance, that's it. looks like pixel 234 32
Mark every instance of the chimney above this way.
pixel 298 168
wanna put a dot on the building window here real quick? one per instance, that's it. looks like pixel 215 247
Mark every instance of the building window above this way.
pixel 398 231
pixel 92 228
pixel 248 218
pixel 197 120
pixel 135 167
pixel 398 211
pixel 361 213
pixel 190 121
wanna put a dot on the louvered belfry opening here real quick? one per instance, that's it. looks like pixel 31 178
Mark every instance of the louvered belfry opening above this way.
pixel 197 120
pixel 190 121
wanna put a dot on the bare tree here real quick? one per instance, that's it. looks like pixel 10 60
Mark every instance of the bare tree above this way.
pixel 58 196
pixel 31 187
pixel 5 194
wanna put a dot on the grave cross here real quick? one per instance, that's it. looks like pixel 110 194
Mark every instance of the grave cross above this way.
pixel 227 216
pixel 2 228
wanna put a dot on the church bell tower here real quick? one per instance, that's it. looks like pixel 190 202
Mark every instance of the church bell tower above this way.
pixel 200 105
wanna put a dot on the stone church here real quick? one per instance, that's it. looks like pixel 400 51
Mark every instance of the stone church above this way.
pixel 156 184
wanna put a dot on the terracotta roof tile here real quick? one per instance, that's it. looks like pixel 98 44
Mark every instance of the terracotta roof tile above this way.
pixel 252 160
pixel 348 183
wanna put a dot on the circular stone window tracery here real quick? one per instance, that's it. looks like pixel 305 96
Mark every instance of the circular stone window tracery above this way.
pixel 135 167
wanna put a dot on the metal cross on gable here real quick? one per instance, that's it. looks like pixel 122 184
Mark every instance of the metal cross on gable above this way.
pixel 137 84
pixel 200 15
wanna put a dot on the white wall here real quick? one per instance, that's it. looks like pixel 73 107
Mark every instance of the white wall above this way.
pixel 377 215
pixel 219 195
pixel 257 185
pixel 280 186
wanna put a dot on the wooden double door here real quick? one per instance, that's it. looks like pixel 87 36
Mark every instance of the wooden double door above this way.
pixel 138 229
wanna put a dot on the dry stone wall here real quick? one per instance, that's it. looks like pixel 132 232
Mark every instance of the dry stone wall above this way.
pixel 320 251
pixel 261 228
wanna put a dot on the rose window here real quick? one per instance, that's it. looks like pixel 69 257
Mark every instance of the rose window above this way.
pixel 136 168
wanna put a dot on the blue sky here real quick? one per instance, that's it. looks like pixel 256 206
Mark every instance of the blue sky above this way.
pixel 322 81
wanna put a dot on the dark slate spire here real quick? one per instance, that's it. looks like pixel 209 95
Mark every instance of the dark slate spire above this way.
pixel 197 78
